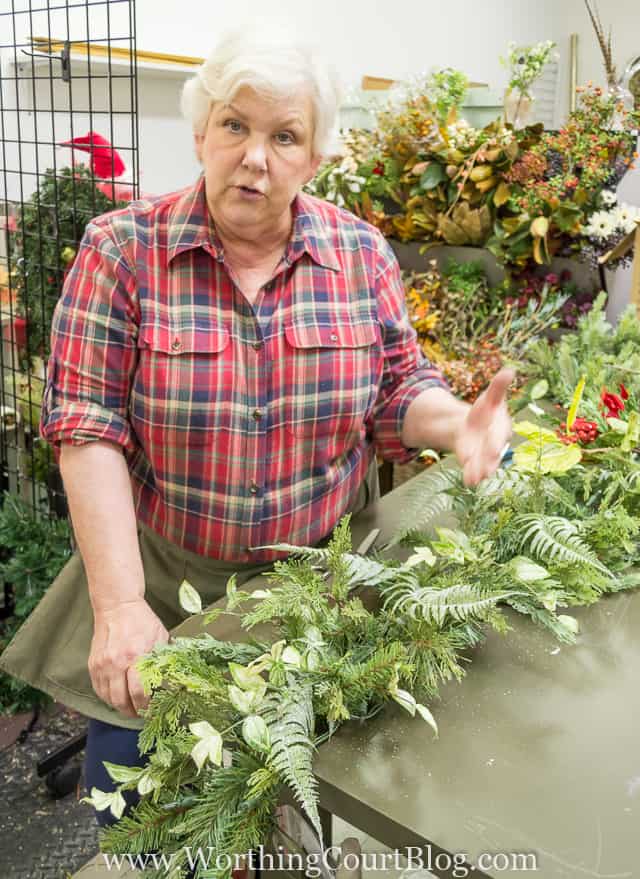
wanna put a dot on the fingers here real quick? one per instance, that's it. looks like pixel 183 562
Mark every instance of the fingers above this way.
pixel 496 393
pixel 119 696
pixel 475 470
pixel 136 692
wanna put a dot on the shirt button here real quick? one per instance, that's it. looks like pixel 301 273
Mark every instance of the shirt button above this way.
pixel 254 487
pixel 257 414
pixel 257 345
pixel 176 344
pixel 333 337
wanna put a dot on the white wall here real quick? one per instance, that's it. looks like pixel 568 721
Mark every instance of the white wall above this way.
pixel 376 38
pixel 358 36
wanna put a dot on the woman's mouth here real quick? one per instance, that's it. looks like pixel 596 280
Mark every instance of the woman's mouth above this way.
pixel 249 192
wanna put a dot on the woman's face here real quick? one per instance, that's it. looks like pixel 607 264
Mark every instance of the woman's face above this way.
pixel 257 154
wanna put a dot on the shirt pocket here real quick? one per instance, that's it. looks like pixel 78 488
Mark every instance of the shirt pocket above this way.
pixel 332 379
pixel 180 395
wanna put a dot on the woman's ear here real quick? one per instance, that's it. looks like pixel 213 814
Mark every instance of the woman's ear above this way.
pixel 316 161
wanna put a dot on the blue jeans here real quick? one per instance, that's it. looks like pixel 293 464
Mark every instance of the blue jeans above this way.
pixel 115 744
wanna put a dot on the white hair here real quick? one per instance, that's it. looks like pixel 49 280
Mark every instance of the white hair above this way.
pixel 274 62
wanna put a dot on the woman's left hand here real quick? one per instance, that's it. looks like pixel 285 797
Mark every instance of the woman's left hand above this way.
pixel 485 431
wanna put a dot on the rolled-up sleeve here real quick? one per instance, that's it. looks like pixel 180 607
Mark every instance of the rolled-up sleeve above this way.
pixel 407 372
pixel 93 348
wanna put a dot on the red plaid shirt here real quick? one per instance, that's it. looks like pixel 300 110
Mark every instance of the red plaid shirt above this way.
pixel 242 425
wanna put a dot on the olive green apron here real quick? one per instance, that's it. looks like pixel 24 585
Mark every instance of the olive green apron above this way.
pixel 51 649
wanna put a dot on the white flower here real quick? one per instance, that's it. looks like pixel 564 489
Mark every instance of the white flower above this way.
pixel 625 216
pixel 601 225
pixel 608 197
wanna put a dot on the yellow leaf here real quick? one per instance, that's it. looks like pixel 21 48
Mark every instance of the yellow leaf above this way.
pixel 502 194
pixel 575 402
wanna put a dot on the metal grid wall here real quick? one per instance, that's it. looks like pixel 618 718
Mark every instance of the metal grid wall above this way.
pixel 69 152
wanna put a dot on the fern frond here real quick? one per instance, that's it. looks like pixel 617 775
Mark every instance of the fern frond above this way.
pixel 460 602
pixel 291 720
pixel 425 497
pixel 557 539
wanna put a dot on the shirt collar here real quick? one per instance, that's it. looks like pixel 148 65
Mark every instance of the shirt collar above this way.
pixel 191 226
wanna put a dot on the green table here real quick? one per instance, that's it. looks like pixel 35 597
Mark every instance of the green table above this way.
pixel 538 749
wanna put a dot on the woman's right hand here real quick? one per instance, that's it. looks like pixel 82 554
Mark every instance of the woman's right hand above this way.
pixel 122 633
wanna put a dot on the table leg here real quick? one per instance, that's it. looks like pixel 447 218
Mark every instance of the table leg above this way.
pixel 325 823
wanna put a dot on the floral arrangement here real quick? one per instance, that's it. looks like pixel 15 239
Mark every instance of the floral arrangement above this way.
pixel 470 329
pixel 525 194
pixel 606 227
pixel 230 722
pixel 590 382
pixel 446 88
pixel 526 63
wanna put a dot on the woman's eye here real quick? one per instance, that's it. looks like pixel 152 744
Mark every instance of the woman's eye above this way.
pixel 285 137
pixel 233 125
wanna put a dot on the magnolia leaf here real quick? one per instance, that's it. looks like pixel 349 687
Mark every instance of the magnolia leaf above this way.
pixel 539 390
pixel 537 410
pixel 502 194
pixel 434 174
pixel 618 425
pixel 569 623
pixel 575 402
pixel 313 635
pixel 291 656
pixel 539 227
pixel 255 733
pixel 311 660
pixel 276 650
pixel 201 729
pixel 532 431
pixel 406 700
pixel 189 598
pixel 426 715
pixel 247 678
pixel 550 457
pixel 148 784
pixel 123 774
pixel 246 701
pixel 118 804
pixel 208 746
pixel 99 799
pixel 420 554
pixel 232 584
pixel 528 571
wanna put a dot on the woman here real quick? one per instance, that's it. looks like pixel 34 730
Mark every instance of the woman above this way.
pixel 226 361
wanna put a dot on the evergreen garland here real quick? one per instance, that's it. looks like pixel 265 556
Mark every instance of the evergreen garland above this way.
pixel 49 229
pixel 229 724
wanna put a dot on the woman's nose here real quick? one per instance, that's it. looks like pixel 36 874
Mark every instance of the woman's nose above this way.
pixel 255 157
